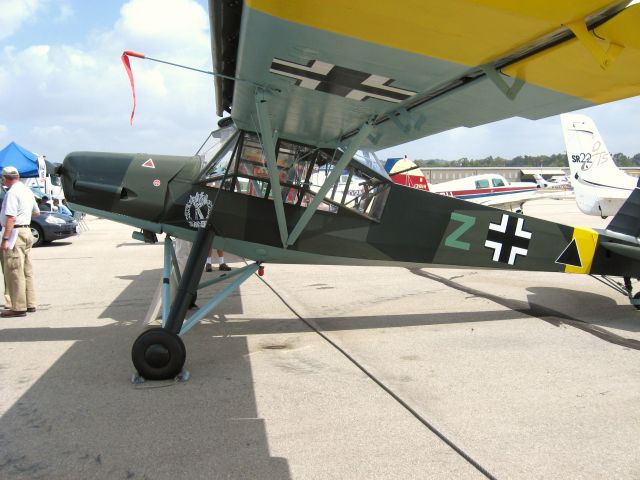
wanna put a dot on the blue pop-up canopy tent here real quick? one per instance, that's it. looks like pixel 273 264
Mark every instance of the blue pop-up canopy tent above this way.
pixel 25 161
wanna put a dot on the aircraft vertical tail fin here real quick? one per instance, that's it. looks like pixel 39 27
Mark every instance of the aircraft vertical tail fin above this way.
pixel 600 186
pixel 542 183
pixel 627 221
pixel 405 172
pixel 587 153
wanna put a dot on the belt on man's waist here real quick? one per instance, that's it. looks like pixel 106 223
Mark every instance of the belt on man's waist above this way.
pixel 21 226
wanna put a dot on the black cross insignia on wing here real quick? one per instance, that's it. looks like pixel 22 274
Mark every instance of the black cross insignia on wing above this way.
pixel 508 239
pixel 328 78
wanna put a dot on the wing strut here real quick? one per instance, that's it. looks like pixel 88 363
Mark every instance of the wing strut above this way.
pixel 586 37
pixel 496 78
pixel 269 138
pixel 346 157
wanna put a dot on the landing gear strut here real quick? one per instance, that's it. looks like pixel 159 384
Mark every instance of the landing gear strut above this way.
pixel 626 289
pixel 635 300
pixel 159 353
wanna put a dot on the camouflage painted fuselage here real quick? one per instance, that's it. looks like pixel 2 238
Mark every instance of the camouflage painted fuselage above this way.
pixel 416 227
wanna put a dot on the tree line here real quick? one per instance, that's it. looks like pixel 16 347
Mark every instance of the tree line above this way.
pixel 555 160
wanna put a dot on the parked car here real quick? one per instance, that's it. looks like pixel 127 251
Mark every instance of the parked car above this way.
pixel 49 226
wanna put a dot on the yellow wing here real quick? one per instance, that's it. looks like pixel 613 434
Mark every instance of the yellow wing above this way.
pixel 418 67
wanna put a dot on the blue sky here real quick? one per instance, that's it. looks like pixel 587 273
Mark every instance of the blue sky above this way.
pixel 65 22
pixel 63 87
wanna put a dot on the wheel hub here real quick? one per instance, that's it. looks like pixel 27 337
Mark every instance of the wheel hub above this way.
pixel 157 356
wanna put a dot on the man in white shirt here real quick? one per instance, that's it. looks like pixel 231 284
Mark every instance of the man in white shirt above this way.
pixel 15 218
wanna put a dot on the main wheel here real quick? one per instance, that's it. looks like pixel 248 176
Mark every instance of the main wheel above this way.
pixel 158 354
pixel 636 297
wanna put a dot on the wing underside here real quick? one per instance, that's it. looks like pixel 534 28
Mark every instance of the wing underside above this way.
pixel 418 68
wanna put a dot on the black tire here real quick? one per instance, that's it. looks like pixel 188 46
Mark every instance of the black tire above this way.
pixel 37 234
pixel 158 354
pixel 636 297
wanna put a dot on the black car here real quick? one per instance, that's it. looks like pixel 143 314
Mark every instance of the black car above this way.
pixel 49 226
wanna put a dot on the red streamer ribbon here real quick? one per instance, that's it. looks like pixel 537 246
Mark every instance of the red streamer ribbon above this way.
pixel 127 67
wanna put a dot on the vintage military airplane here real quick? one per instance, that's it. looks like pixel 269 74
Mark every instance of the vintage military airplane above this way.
pixel 308 83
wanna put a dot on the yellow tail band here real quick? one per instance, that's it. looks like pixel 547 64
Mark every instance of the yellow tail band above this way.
pixel 586 240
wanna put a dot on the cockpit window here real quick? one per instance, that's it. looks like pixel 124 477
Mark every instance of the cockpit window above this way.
pixel 302 171
pixel 216 152
pixel 497 182
pixel 482 183
pixel 294 161
pixel 252 162
pixel 370 196
pixel 355 189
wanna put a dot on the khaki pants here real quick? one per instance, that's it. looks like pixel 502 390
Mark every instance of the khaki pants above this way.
pixel 7 297
pixel 18 272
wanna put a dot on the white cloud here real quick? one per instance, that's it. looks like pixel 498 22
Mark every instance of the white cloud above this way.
pixel 62 98
pixel 49 132
pixel 163 26
pixel 13 13
pixel 64 12
pixel 157 18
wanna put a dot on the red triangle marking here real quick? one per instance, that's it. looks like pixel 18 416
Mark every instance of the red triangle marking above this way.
pixel 149 164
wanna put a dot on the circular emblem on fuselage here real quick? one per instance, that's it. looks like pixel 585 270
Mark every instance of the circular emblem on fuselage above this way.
pixel 197 209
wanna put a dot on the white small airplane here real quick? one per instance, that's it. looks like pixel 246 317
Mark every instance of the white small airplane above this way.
pixel 488 189
pixel 600 186
pixel 557 182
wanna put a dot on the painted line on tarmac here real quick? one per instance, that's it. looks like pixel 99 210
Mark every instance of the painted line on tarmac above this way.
pixel 313 326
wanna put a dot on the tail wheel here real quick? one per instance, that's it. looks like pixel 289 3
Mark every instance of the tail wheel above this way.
pixel 158 354
pixel 636 297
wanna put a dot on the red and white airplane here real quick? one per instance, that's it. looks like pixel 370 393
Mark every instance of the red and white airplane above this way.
pixel 489 189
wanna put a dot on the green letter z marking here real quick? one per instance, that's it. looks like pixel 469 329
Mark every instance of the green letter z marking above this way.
pixel 452 240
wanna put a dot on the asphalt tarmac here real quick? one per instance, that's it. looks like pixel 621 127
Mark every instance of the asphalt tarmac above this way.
pixel 323 373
